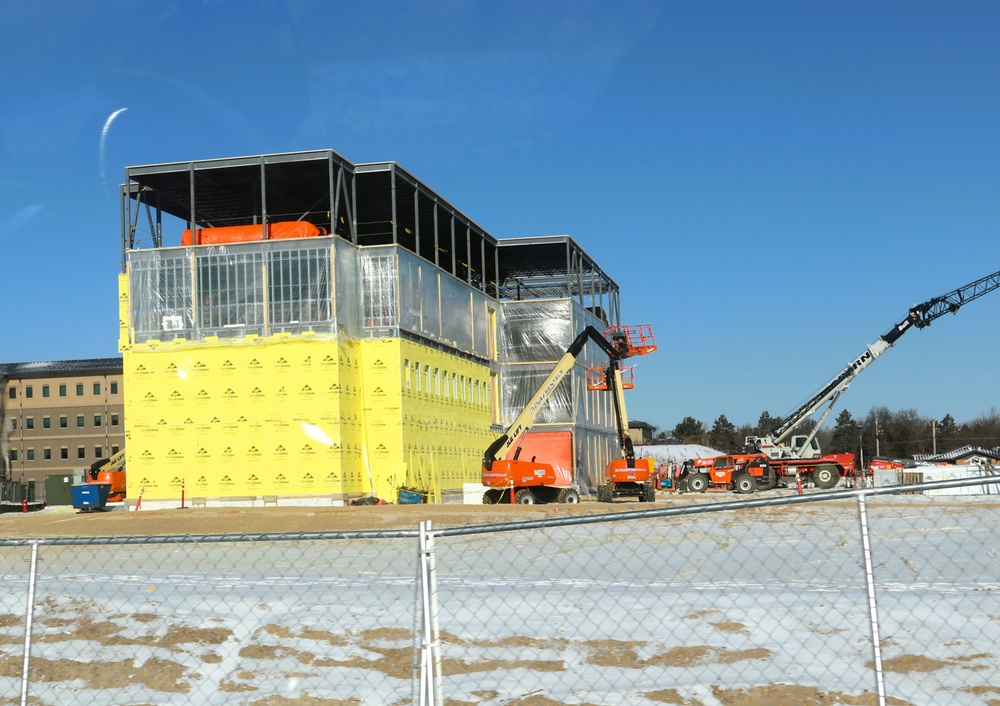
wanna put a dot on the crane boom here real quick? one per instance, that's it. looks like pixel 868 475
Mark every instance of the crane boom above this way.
pixel 919 316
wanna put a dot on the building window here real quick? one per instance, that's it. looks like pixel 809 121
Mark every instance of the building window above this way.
pixel 29 423
pixel 81 452
pixel 28 391
pixel 46 423
pixel 114 388
pixel 13 393
pixel 79 421
pixel 63 422
pixel 13 424
pixel 45 390
pixel 31 454
pixel 114 420
pixel 97 420
pixel 79 389
pixel 13 454
pixel 98 452
pixel 97 388
pixel 64 453
pixel 114 450
pixel 47 454
pixel 62 390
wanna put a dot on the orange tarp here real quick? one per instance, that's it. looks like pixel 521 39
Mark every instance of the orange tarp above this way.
pixel 552 447
pixel 242 234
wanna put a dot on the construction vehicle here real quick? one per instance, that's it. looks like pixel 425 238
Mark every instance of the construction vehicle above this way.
pixel 112 472
pixel 740 473
pixel 625 477
pixel 533 481
pixel 802 458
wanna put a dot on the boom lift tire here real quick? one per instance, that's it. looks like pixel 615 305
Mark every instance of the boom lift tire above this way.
pixel 825 476
pixel 697 482
pixel 650 492
pixel 745 484
pixel 569 496
pixel 491 497
pixel 525 497
pixel 604 494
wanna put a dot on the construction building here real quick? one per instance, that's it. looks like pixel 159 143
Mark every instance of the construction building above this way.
pixel 300 327
pixel 57 417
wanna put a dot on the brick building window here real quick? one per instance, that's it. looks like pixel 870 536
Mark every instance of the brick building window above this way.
pixel 97 388
pixel 64 453
pixel 79 389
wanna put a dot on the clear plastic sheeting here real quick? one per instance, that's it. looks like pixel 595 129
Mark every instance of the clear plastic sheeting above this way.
pixel 540 330
pixel 534 336
pixel 161 294
pixel 594 449
pixel 231 291
pixel 403 292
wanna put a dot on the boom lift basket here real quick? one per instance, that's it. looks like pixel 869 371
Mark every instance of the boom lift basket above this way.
pixel 597 378
pixel 638 339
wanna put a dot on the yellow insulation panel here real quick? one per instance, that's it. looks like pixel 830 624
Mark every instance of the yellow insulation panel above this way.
pixel 299 416
pixel 245 418
pixel 438 416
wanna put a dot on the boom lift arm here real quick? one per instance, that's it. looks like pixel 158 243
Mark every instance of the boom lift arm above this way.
pixel 919 316
pixel 616 349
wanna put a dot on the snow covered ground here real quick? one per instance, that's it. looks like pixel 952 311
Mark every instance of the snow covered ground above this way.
pixel 762 606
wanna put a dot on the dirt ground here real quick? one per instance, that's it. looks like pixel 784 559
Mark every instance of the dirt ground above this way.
pixel 67 522
pixel 116 522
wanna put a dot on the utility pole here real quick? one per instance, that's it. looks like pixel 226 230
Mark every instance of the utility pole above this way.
pixel 934 435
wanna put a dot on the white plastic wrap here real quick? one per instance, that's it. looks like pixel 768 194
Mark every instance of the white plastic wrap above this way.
pixel 230 291
pixel 405 292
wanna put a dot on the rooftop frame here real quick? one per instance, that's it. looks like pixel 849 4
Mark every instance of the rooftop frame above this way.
pixel 316 186
pixel 555 266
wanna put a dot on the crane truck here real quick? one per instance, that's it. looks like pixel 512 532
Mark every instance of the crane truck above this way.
pixel 530 482
pixel 802 456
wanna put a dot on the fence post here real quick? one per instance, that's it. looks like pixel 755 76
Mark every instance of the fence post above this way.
pixel 28 618
pixel 431 693
pixel 872 609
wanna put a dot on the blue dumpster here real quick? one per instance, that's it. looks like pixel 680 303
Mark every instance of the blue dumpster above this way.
pixel 90 496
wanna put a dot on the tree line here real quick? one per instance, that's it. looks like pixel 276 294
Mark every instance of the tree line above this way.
pixel 881 432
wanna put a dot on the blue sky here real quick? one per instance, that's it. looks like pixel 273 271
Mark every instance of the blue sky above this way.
pixel 772 184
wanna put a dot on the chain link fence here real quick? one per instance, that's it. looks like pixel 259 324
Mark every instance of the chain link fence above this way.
pixel 879 596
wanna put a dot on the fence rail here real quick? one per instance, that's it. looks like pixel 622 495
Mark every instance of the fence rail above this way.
pixel 875 596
